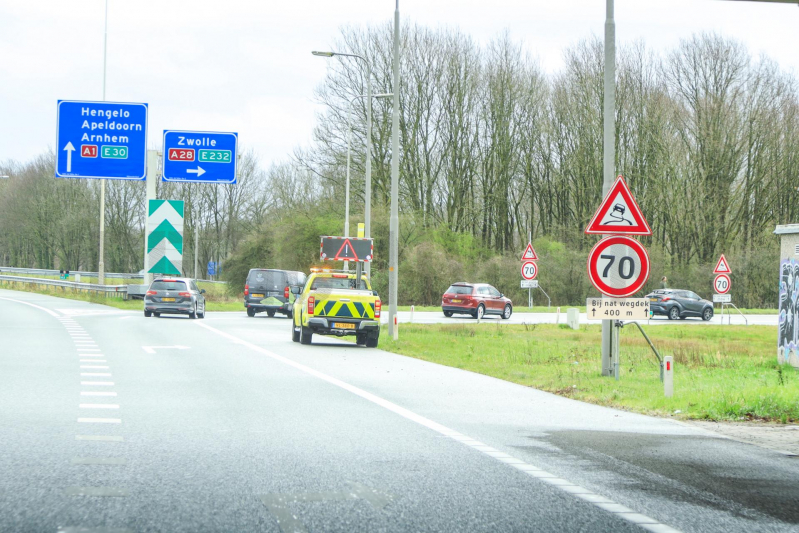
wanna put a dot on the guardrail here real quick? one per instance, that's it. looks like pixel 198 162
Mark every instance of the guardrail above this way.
pixel 49 272
pixel 88 287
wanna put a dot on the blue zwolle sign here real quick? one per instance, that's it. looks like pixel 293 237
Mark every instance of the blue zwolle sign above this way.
pixel 101 140
pixel 200 156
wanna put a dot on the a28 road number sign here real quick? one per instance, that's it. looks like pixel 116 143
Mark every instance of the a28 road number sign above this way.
pixel 722 284
pixel 529 270
pixel 618 266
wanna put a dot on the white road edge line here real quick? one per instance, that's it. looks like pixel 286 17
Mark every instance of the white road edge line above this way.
pixel 53 313
pixel 571 488
pixel 98 406
pixel 97 393
pixel 100 420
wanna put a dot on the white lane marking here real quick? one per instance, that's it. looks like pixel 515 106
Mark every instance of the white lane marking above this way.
pixel 106 367
pixel 39 307
pixel 110 461
pixel 98 406
pixel 531 470
pixel 106 374
pixel 109 438
pixel 151 349
pixel 100 420
pixel 90 355
pixel 93 361
pixel 98 383
pixel 89 349
pixel 97 393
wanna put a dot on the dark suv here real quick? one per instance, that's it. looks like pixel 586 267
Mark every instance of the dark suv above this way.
pixel 677 303
pixel 269 290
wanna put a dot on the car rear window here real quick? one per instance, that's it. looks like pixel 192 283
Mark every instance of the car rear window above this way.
pixel 459 289
pixel 160 285
pixel 336 283
pixel 273 279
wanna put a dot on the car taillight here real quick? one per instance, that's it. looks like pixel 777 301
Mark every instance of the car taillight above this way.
pixel 246 290
pixel 184 294
pixel 286 292
pixel 151 293
pixel 666 299
pixel 378 305
pixel 311 301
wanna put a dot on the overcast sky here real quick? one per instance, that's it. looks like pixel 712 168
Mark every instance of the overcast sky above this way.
pixel 246 66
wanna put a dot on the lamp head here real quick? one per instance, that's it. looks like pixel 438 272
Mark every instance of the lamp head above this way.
pixel 323 54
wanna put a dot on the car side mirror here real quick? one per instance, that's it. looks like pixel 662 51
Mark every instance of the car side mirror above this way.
pixel 202 291
pixel 374 293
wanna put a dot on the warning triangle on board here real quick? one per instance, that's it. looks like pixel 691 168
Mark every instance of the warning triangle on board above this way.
pixel 619 213
pixel 722 267
pixel 529 253
pixel 348 252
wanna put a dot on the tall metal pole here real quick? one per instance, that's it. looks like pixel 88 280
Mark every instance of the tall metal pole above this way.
pixel 101 262
pixel 609 336
pixel 347 187
pixel 367 211
pixel 393 253
pixel 196 250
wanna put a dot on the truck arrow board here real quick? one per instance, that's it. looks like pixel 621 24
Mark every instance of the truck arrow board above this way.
pixel 346 249
pixel 200 156
pixel 101 140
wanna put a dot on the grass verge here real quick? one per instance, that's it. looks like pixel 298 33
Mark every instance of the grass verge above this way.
pixel 720 372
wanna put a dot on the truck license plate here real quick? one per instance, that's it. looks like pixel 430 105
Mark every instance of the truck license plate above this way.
pixel 343 325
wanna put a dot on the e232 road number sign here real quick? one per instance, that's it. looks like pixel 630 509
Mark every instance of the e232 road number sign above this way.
pixel 200 156
pixel 101 140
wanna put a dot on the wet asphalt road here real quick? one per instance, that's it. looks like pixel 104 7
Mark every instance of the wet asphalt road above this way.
pixel 111 422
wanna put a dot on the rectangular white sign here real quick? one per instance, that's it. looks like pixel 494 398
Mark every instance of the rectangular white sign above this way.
pixel 617 308
pixel 722 298
pixel 529 284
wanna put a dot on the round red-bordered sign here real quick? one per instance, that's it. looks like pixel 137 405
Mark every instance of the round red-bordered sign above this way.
pixel 618 266
pixel 722 284
pixel 529 270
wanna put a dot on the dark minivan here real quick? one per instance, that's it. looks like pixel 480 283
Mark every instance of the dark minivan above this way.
pixel 269 290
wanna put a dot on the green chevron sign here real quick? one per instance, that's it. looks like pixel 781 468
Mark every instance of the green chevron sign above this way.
pixel 165 237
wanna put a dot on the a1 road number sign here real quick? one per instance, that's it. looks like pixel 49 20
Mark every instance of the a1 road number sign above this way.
pixel 722 284
pixel 529 270
pixel 618 266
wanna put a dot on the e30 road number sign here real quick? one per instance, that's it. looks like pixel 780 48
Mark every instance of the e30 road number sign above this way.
pixel 618 266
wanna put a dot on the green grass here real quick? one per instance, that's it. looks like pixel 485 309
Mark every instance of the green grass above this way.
pixel 563 308
pixel 720 372
pixel 216 297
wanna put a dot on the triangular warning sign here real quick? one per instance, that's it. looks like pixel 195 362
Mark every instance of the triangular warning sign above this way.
pixel 529 253
pixel 619 213
pixel 346 252
pixel 722 267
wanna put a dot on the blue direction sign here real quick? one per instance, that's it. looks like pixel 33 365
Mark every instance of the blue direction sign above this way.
pixel 200 156
pixel 101 140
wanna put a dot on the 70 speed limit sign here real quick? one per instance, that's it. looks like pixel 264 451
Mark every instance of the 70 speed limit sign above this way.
pixel 529 270
pixel 618 266
pixel 722 284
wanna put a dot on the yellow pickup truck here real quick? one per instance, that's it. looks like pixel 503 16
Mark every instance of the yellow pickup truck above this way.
pixel 334 303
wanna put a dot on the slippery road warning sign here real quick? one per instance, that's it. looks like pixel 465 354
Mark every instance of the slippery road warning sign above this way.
pixel 619 213
pixel 529 253
pixel 722 267
pixel 618 266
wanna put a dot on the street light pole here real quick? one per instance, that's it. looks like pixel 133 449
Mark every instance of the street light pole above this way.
pixel 101 261
pixel 393 253
pixel 368 185
pixel 609 160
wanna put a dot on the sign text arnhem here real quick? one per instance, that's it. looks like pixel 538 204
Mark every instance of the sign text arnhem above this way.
pixel 617 308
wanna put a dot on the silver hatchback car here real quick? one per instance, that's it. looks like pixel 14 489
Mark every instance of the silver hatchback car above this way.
pixel 179 296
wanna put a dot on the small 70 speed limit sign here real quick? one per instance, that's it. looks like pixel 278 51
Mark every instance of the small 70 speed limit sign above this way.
pixel 618 266
pixel 722 284
pixel 529 270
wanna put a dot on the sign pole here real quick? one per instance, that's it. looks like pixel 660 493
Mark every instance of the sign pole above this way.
pixel 101 261
pixel 150 184
pixel 609 156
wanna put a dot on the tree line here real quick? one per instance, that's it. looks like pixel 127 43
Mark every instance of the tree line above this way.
pixel 493 149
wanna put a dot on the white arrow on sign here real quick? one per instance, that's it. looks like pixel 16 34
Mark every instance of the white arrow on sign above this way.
pixel 199 171
pixel 69 149
pixel 152 349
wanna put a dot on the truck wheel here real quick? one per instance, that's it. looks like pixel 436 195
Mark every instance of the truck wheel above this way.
pixel 305 335
pixel 271 313
pixel 360 339
pixel 250 312
pixel 156 315
pixel 148 314
pixel 371 340
pixel 295 335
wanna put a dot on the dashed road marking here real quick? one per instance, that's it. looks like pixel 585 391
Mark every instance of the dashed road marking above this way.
pixel 97 393
pixel 93 530
pixel 98 383
pixel 98 406
pixel 95 491
pixel 106 374
pixel 95 366
pixel 93 361
pixel 108 438
pixel 98 461
pixel 100 420
pixel 90 355
pixel 619 510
